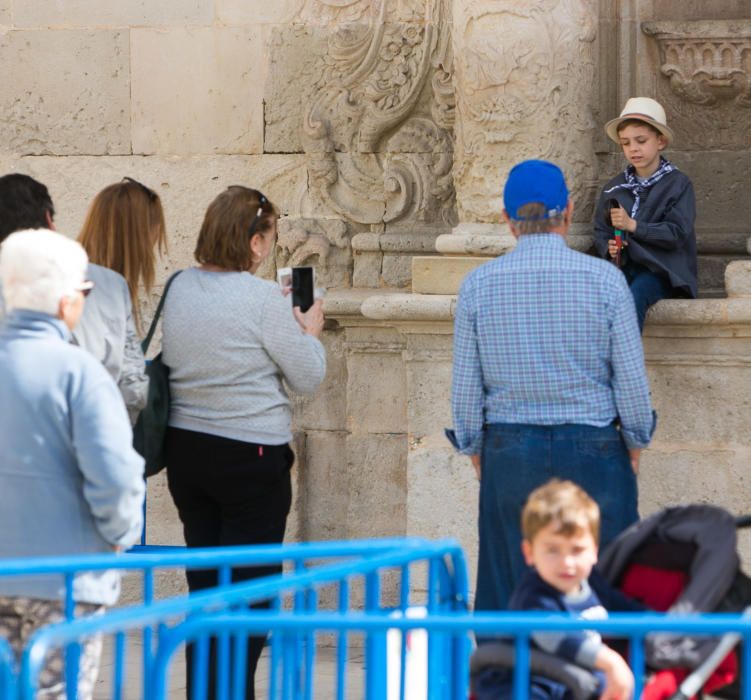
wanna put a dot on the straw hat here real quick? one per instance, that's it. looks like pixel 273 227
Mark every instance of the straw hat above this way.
pixel 645 109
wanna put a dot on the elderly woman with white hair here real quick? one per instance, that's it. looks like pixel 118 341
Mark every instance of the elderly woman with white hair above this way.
pixel 70 481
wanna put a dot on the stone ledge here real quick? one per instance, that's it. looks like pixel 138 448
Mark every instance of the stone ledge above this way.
pixel 393 243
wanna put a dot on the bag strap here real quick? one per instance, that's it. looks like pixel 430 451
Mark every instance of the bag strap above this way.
pixel 154 321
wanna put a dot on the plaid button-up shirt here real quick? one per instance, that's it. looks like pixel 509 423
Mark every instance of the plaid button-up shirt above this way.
pixel 548 336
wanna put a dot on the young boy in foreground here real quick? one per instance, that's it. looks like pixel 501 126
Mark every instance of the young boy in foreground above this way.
pixel 560 526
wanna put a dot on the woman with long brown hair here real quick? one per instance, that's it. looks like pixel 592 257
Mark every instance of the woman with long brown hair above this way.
pixel 123 230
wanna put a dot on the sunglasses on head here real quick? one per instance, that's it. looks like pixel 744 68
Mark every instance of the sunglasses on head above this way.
pixel 262 202
pixel 149 192
pixel 85 287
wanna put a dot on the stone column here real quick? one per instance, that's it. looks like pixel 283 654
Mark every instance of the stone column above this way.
pixel 523 79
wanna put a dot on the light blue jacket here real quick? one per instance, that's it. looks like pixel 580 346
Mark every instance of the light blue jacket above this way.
pixel 70 481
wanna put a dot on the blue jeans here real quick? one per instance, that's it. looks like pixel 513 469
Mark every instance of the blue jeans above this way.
pixel 647 288
pixel 518 458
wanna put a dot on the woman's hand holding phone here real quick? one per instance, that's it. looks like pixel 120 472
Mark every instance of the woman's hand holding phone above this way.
pixel 311 321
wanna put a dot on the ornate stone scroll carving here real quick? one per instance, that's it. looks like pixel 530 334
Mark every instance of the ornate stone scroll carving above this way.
pixel 377 122
pixel 524 83
pixel 706 88
pixel 707 61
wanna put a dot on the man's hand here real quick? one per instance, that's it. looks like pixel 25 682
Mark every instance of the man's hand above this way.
pixel 635 456
pixel 621 220
pixel 476 464
pixel 619 681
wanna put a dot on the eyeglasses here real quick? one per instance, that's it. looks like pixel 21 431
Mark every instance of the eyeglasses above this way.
pixel 85 287
pixel 149 192
pixel 262 201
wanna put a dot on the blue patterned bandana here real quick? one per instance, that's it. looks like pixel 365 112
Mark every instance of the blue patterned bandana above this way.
pixel 640 188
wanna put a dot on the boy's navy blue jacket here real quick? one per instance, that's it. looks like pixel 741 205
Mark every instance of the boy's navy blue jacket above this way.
pixel 664 240
pixel 592 602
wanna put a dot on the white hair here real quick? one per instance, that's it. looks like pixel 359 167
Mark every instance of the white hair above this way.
pixel 39 267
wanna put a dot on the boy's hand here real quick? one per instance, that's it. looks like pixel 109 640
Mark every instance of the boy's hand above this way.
pixel 476 464
pixel 619 681
pixel 621 220
pixel 613 247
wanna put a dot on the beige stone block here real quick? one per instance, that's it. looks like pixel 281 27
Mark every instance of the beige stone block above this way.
pixel 702 402
pixel 258 11
pixel 376 466
pixel 186 186
pixel 69 93
pixel 376 401
pixel 396 270
pixel 97 13
pixel 442 275
pixel 198 90
pixel 442 500
pixel 323 487
pixel 428 370
pixel 367 269
pixel 326 409
pixel 738 279
pixel 4 13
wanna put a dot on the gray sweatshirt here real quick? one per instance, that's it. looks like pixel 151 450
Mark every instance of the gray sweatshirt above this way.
pixel 229 339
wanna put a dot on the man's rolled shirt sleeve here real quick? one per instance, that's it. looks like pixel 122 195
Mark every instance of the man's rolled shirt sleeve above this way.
pixel 467 391
pixel 630 384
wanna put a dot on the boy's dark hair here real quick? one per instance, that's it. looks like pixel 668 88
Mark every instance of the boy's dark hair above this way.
pixel 24 203
pixel 637 122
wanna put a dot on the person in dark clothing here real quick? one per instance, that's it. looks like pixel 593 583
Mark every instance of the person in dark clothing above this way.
pixel 652 204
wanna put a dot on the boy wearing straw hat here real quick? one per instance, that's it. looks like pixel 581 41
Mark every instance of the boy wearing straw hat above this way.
pixel 645 215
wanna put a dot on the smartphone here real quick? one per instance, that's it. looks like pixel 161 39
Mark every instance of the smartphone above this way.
pixel 303 287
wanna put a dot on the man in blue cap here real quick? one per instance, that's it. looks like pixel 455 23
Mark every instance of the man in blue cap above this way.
pixel 549 378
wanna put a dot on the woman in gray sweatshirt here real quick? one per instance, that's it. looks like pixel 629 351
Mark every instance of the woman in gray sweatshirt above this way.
pixel 232 341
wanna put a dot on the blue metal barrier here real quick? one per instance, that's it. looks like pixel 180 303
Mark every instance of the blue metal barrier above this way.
pixel 370 561
pixel 7 670
pixel 447 672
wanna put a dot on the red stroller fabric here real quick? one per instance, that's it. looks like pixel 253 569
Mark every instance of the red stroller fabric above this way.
pixel 658 589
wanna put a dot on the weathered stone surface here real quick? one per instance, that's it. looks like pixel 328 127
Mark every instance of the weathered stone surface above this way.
pixel 517 99
pixel 376 401
pixel 5 17
pixel 441 275
pixel 323 492
pixel 367 269
pixel 377 470
pixel 69 93
pixel 258 11
pixel 95 13
pixel 198 90
pixel 738 279
pixel 410 307
pixel 428 368
pixel 396 270
pixel 326 409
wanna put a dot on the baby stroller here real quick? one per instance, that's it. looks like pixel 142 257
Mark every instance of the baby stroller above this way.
pixel 681 560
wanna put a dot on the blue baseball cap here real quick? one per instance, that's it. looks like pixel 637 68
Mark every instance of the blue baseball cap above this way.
pixel 535 181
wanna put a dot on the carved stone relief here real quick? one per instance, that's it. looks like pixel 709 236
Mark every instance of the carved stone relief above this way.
pixel 524 85
pixel 323 243
pixel 706 84
pixel 377 122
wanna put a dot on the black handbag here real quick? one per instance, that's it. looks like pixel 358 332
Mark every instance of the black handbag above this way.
pixel 151 426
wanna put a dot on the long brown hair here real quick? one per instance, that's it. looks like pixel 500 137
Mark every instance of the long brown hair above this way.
pixel 123 230
pixel 232 219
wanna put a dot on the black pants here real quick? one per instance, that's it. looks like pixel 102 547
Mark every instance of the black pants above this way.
pixel 227 493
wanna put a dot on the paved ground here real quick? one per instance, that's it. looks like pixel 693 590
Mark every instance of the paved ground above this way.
pixel 325 675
